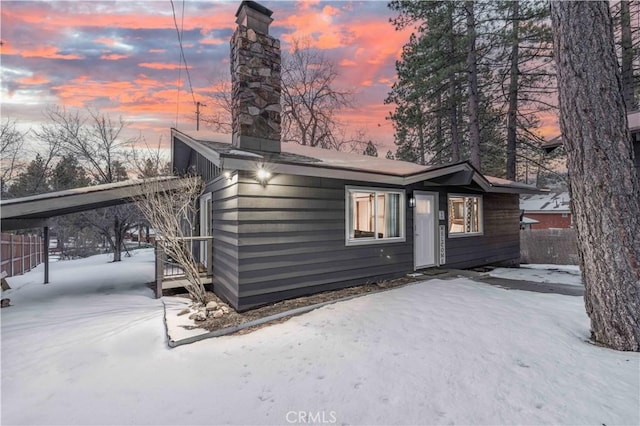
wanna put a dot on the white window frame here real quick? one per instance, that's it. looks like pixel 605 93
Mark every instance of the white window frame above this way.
pixel 348 220
pixel 480 214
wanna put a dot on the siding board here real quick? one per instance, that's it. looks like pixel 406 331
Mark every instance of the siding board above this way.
pixel 500 242
pixel 291 239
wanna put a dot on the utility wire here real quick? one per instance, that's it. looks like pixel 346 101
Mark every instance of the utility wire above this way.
pixel 184 59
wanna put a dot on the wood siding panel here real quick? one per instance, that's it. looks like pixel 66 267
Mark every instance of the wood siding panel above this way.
pixel 291 239
pixel 224 201
pixel 500 242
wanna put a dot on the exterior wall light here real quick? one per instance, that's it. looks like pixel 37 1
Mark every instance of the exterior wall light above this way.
pixel 227 174
pixel 263 175
pixel 412 202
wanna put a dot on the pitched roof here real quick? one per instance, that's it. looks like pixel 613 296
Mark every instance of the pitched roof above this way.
pixel 312 161
pixel 546 203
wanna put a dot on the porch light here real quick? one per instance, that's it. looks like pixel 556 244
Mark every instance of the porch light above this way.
pixel 412 202
pixel 227 174
pixel 263 174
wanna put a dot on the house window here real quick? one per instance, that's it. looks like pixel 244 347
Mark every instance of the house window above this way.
pixel 374 215
pixel 465 215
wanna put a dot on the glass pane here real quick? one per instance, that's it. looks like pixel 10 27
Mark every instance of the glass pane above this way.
pixel 472 214
pixel 456 215
pixel 381 216
pixel 363 211
pixel 392 216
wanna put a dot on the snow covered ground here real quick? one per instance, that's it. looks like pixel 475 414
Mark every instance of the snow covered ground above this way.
pixel 559 274
pixel 90 348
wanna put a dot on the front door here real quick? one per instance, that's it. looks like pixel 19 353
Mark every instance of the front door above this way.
pixel 205 227
pixel 424 220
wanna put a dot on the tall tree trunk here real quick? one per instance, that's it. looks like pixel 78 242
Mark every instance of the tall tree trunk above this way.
pixel 603 181
pixel 453 93
pixel 439 133
pixel 455 135
pixel 421 141
pixel 513 94
pixel 626 43
pixel 472 74
pixel 117 245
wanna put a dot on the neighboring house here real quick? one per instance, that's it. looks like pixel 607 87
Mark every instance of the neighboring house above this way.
pixel 289 220
pixel 547 210
pixel 527 222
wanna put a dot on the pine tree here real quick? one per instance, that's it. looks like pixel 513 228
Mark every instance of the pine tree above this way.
pixel 626 18
pixel 68 174
pixel 371 150
pixel 428 93
pixel 523 75
pixel 443 113
pixel 33 180
pixel 471 76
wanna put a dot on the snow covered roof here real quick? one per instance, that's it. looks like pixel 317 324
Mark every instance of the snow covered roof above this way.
pixel 529 221
pixel 19 213
pixel 312 161
pixel 546 203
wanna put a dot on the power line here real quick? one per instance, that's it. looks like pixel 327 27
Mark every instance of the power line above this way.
pixel 183 57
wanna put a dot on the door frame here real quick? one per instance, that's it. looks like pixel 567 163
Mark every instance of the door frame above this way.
pixel 436 233
pixel 205 225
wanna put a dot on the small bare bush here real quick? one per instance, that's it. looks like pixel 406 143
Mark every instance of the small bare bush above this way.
pixel 170 206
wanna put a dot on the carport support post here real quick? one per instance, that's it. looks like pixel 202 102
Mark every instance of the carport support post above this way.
pixel 46 254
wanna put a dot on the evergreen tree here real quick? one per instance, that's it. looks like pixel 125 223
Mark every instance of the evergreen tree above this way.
pixel 371 150
pixel 524 77
pixel 428 93
pixel 439 98
pixel 68 174
pixel 471 75
pixel 626 18
pixel 390 155
pixel 118 172
pixel 33 180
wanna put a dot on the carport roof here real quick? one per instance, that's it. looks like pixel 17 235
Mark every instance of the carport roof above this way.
pixel 29 212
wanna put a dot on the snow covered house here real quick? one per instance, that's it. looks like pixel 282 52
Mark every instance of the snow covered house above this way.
pixel 289 220
pixel 551 210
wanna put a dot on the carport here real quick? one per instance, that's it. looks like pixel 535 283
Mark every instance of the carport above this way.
pixel 35 211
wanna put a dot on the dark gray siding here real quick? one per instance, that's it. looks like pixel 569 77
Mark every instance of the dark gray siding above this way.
pixel 287 238
pixel 291 241
pixel 224 202
pixel 500 242
pixel 188 161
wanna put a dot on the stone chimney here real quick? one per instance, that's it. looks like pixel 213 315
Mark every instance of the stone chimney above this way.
pixel 255 80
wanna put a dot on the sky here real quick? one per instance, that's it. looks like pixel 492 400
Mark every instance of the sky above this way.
pixel 122 58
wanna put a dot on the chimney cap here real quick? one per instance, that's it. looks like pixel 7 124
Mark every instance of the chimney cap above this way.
pixel 255 6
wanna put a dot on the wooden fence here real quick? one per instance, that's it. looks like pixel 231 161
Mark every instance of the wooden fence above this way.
pixel 555 246
pixel 20 253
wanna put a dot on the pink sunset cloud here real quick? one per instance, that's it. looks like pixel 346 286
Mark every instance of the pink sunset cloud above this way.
pixel 123 57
